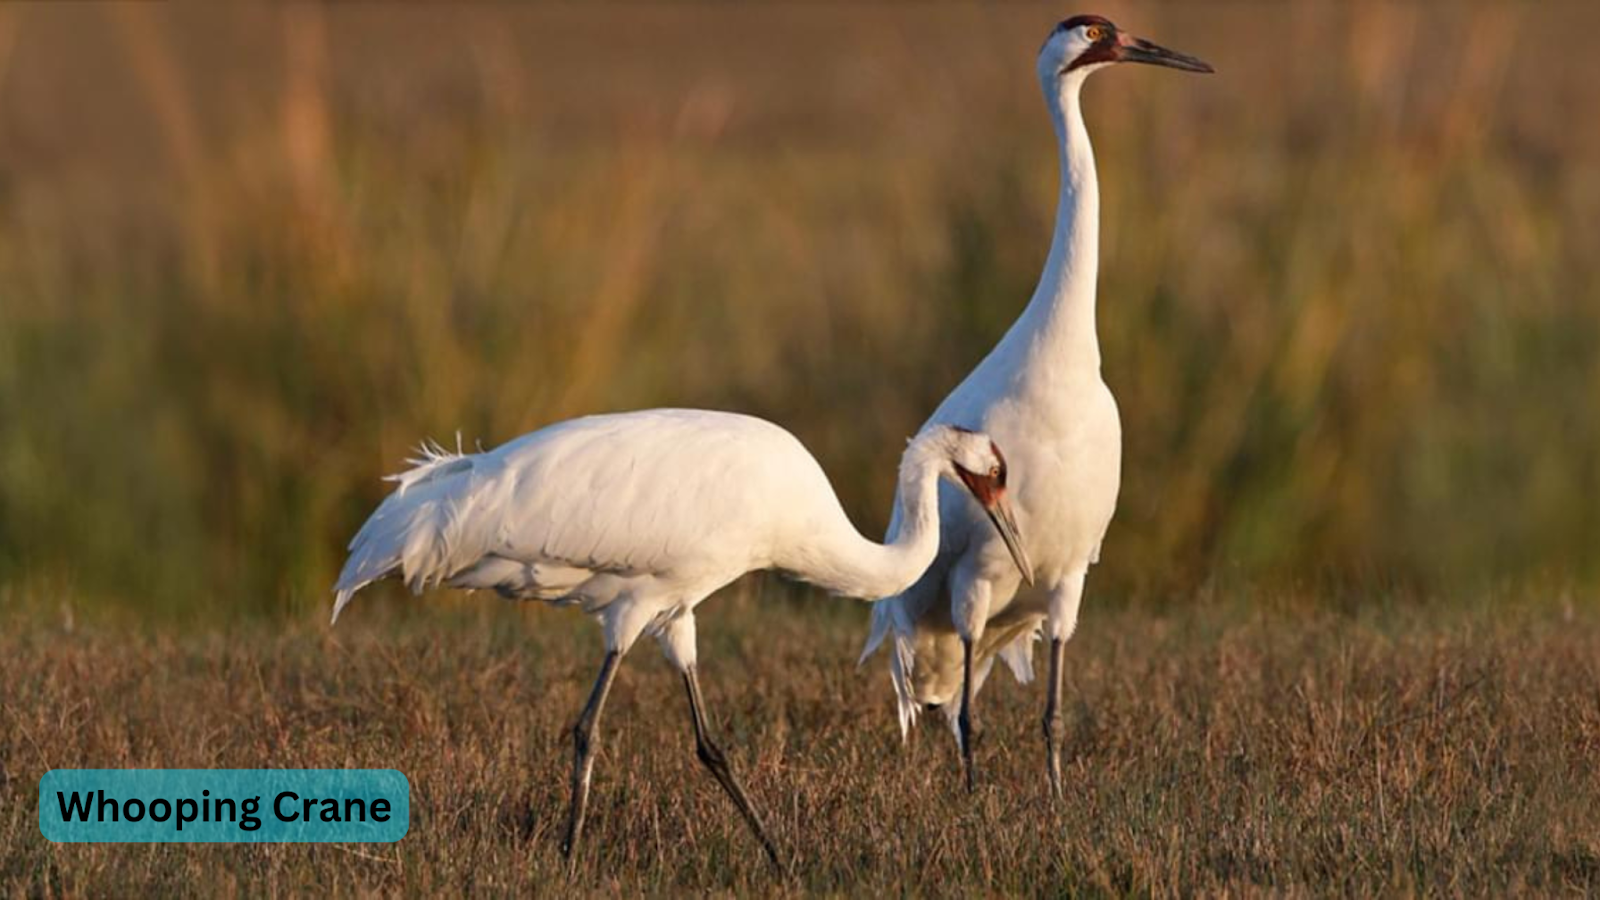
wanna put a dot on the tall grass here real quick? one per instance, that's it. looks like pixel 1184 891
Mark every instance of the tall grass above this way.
pixel 1350 300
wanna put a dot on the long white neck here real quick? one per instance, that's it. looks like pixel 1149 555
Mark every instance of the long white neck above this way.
pixel 846 563
pixel 1058 327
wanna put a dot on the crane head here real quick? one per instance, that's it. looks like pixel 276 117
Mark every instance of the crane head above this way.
pixel 981 468
pixel 1083 44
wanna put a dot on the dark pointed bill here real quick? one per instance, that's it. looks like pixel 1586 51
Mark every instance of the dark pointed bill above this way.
pixel 1140 50
pixel 1006 523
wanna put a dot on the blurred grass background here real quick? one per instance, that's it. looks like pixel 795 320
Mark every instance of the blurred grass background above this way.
pixel 1350 288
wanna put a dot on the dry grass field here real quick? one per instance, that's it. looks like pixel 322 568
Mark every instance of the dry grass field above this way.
pixel 1247 747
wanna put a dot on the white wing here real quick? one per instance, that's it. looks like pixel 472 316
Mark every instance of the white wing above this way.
pixel 656 491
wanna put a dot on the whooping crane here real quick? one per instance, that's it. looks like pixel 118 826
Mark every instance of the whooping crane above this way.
pixel 1039 393
pixel 640 516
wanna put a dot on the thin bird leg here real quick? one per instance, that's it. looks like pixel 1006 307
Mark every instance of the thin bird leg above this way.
pixel 711 755
pixel 583 746
pixel 964 718
pixel 1054 729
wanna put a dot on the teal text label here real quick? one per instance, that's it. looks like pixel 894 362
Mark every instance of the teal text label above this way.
pixel 224 805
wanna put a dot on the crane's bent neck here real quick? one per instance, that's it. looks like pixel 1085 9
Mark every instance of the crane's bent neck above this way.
pixel 855 566
pixel 1059 322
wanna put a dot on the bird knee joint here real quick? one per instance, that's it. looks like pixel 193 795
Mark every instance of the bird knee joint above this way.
pixel 1055 729
pixel 710 755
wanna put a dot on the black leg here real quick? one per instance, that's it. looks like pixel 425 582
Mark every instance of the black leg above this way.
pixel 964 719
pixel 583 746
pixel 711 755
pixel 1054 730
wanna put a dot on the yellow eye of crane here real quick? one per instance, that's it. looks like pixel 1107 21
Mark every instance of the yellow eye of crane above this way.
pixel 1094 33
pixel 994 471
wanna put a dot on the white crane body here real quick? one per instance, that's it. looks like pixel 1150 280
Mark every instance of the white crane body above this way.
pixel 1039 392
pixel 598 508
pixel 639 517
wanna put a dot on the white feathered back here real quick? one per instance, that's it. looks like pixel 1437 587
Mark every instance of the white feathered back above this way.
pixel 647 491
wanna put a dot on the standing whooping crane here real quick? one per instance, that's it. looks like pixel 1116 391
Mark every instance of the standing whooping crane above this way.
pixel 1039 393
pixel 640 516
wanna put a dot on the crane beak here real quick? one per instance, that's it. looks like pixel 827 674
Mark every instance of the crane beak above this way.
pixel 1005 522
pixel 990 492
pixel 1139 50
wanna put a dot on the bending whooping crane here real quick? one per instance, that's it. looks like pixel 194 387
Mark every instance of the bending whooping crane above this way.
pixel 640 516
pixel 1039 393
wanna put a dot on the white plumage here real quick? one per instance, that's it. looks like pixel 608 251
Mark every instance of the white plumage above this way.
pixel 640 516
pixel 1040 394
